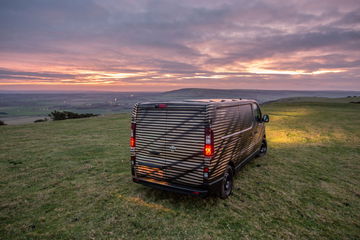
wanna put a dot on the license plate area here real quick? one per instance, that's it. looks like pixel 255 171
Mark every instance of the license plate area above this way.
pixel 152 172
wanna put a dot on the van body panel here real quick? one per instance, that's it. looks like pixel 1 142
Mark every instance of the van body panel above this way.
pixel 170 139
pixel 230 146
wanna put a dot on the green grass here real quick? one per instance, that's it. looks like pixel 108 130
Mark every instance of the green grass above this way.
pixel 311 100
pixel 71 180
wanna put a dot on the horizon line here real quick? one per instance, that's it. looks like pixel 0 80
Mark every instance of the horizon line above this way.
pixel 216 89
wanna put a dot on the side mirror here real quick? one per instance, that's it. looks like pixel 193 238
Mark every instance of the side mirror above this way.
pixel 265 118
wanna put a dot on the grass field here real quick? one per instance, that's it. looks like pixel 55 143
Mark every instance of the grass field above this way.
pixel 71 180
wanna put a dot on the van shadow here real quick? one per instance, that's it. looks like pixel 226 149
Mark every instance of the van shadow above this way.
pixel 284 163
pixel 175 200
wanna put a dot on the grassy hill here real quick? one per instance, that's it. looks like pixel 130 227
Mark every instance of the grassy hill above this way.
pixel 71 180
pixel 316 100
pixel 259 95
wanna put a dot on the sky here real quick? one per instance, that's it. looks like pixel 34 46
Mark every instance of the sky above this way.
pixel 159 45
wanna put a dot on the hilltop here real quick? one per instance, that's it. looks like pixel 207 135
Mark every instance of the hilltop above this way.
pixel 71 180
pixel 349 99
pixel 259 95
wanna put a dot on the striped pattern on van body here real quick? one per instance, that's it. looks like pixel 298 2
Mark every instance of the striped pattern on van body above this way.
pixel 228 120
pixel 177 134
pixel 181 127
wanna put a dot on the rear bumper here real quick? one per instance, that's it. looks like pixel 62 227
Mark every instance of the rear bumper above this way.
pixel 172 187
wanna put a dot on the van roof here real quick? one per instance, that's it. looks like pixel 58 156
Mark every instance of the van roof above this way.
pixel 218 100
pixel 204 101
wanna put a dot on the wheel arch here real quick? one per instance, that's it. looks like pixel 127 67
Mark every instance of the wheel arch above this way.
pixel 232 165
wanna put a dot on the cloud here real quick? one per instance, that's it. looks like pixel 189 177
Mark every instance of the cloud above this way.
pixel 183 42
pixel 5 73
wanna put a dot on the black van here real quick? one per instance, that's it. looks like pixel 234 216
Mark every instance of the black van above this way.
pixel 195 146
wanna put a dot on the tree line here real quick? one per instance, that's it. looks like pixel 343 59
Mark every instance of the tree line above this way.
pixel 63 115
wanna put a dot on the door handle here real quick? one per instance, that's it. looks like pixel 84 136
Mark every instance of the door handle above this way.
pixel 154 152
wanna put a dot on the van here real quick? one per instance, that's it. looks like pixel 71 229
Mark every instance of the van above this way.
pixel 195 146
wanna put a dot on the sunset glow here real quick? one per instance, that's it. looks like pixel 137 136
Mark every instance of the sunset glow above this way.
pixel 285 72
pixel 163 45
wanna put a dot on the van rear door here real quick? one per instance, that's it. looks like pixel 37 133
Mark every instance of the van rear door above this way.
pixel 184 143
pixel 170 141
pixel 150 141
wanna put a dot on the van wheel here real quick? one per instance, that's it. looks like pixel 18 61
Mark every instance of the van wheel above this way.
pixel 227 183
pixel 263 148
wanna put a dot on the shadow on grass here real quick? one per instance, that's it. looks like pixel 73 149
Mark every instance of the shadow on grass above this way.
pixel 172 199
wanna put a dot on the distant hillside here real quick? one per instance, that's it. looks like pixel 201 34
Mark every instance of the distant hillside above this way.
pixel 19 108
pixel 348 99
pixel 259 95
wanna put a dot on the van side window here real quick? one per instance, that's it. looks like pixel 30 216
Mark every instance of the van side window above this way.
pixel 256 112
pixel 246 118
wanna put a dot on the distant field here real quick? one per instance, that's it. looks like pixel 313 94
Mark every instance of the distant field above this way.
pixel 19 108
pixel 314 100
pixel 71 180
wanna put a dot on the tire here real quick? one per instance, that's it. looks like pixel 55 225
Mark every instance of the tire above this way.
pixel 227 183
pixel 263 148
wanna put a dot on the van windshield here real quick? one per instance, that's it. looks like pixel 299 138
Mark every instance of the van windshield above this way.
pixel 256 112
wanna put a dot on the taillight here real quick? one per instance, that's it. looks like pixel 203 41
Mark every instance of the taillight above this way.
pixel 208 151
pixel 132 142
pixel 209 142
pixel 133 134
